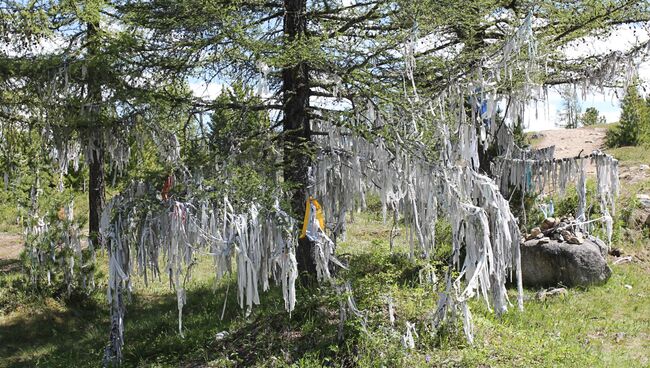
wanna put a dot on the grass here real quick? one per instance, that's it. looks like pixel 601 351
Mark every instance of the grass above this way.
pixel 631 155
pixel 602 326
pixel 599 126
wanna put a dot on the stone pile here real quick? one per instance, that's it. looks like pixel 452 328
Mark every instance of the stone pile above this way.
pixel 561 230
pixel 559 253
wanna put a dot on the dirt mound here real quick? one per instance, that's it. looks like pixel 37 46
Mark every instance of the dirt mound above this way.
pixel 571 142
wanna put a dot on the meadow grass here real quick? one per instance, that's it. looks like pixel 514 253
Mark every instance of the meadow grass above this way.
pixel 603 326
pixel 631 155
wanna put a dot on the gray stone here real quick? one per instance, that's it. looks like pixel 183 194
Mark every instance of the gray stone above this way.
pixel 564 264
pixel 534 233
pixel 575 240
pixel 644 200
pixel 543 240
pixel 543 294
pixel 602 247
pixel 639 218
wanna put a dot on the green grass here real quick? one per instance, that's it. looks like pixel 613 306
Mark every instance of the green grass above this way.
pixel 605 326
pixel 631 155
pixel 598 126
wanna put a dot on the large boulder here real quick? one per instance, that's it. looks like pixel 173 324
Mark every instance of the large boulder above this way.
pixel 554 263
pixel 640 215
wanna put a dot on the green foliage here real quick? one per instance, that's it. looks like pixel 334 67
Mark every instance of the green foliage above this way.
pixel 591 117
pixel 53 253
pixel 236 153
pixel 518 133
pixel 634 125
pixel 632 155
pixel 444 241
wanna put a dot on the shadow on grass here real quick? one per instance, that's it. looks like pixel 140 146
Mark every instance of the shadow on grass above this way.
pixel 76 333
pixel 9 265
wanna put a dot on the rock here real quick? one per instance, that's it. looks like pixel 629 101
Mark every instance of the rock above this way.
pixel 543 294
pixel 639 218
pixel 644 167
pixel 548 223
pixel 589 141
pixel 556 263
pixel 534 233
pixel 644 200
pixel 543 240
pixel 600 244
pixel 575 240
pixel 221 335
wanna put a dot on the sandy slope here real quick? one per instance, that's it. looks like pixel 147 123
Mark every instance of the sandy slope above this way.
pixel 569 142
pixel 10 245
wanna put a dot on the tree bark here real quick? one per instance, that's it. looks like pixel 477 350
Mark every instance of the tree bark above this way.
pixel 296 125
pixel 95 137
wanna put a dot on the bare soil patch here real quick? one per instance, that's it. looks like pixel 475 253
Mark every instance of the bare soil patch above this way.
pixel 10 245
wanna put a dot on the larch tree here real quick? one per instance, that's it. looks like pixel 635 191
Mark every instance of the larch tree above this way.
pixel 87 92
pixel 338 58
pixel 301 50
pixel 67 71
pixel 570 111
pixel 389 96
pixel 591 116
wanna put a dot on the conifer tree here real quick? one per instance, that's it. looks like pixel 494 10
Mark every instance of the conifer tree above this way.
pixel 359 53
pixel 634 120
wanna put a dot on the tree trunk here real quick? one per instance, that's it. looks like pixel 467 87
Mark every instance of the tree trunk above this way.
pixel 95 138
pixel 296 125
pixel 96 188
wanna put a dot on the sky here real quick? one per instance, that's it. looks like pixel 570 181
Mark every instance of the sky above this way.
pixel 538 116
pixel 543 115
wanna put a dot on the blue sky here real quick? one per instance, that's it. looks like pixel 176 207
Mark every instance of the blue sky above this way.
pixel 607 102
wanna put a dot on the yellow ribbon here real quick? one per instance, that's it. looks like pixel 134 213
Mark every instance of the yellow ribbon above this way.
pixel 319 216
